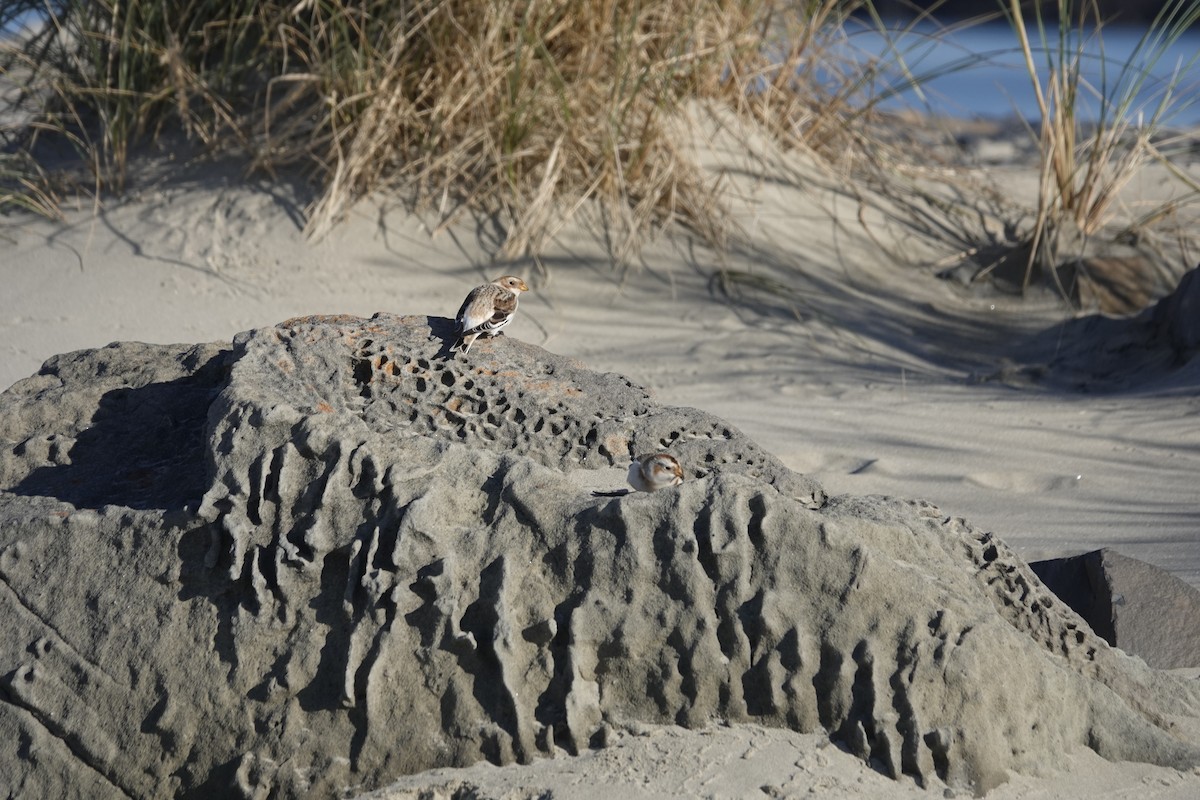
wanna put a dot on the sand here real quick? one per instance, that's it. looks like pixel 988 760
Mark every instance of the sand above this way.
pixel 873 375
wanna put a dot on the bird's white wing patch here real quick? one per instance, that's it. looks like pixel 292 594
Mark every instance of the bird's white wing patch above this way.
pixel 477 309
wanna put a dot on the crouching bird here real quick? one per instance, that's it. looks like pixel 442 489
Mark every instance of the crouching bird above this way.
pixel 653 472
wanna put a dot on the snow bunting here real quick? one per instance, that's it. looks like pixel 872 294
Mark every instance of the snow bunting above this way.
pixel 653 472
pixel 487 309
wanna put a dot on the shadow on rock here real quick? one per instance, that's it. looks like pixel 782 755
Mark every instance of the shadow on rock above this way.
pixel 144 448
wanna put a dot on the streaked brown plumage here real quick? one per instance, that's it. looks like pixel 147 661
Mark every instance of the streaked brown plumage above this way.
pixel 487 309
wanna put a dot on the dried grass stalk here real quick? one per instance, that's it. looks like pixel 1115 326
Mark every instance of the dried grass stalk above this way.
pixel 518 110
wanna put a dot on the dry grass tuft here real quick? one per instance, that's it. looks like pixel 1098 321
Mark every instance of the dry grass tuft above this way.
pixel 1084 168
pixel 521 113
pixel 518 111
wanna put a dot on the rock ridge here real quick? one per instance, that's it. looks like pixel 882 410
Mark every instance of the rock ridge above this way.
pixel 330 555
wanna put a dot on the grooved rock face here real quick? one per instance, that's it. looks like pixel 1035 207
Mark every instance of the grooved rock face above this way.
pixel 332 555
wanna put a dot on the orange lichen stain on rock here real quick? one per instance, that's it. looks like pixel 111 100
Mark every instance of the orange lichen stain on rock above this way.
pixel 615 444
pixel 373 329
pixel 324 407
pixel 553 387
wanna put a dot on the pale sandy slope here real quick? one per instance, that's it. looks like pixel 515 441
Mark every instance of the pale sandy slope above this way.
pixel 755 762
pixel 861 377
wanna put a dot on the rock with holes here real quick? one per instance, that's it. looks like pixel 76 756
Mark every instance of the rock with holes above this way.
pixel 335 553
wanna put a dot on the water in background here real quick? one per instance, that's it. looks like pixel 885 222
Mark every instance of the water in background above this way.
pixel 985 71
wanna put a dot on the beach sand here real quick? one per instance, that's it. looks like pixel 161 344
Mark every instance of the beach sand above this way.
pixel 868 372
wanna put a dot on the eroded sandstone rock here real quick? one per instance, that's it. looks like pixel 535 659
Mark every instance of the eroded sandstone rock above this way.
pixel 331 555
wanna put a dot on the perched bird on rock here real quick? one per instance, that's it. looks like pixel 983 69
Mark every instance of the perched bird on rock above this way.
pixel 653 472
pixel 487 309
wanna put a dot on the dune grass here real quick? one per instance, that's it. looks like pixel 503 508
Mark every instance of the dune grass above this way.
pixel 516 111
pixel 1085 166
pixel 521 113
